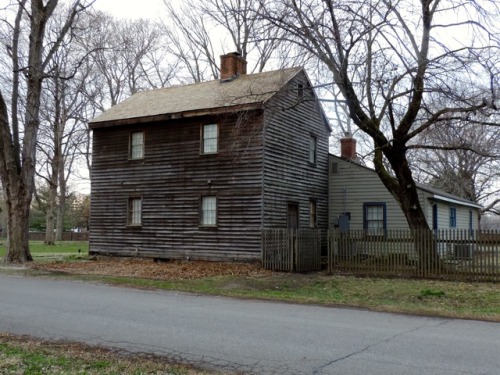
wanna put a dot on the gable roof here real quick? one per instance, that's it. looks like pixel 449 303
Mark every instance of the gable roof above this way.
pixel 246 91
pixel 437 194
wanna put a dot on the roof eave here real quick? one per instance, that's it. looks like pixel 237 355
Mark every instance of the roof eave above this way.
pixel 176 115
pixel 455 201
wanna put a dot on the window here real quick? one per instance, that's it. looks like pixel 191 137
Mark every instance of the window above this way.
pixel 434 216
pixel 136 145
pixel 312 149
pixel 300 90
pixel 134 211
pixel 208 215
pixel 374 217
pixel 209 139
pixel 313 216
pixel 453 217
pixel 335 168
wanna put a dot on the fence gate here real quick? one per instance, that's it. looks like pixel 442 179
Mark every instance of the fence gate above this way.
pixel 291 249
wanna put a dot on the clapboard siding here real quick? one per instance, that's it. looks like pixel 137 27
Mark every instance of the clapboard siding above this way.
pixel 352 185
pixel 288 175
pixel 171 179
pixel 262 164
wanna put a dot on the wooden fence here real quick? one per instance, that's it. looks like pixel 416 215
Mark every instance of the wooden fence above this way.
pixel 291 249
pixel 444 254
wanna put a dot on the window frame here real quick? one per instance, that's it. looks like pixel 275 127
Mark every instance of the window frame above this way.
pixel 203 145
pixel 313 213
pixel 131 145
pixel 300 90
pixel 453 217
pixel 372 231
pixel 202 217
pixel 313 157
pixel 131 211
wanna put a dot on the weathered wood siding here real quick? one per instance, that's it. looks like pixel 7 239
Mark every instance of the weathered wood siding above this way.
pixel 351 185
pixel 171 179
pixel 289 177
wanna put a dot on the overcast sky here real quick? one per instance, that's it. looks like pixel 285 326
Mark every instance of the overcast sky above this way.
pixel 131 8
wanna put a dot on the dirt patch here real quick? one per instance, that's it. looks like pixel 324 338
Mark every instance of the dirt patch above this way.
pixel 150 269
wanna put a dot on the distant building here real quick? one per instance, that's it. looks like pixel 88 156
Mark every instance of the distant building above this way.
pixel 359 200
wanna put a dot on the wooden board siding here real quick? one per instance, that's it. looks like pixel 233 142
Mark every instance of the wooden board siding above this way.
pixel 171 179
pixel 288 175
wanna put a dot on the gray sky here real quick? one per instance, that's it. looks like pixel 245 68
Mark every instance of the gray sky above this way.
pixel 131 8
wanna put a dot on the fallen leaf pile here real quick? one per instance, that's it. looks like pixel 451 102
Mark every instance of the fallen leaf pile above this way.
pixel 150 269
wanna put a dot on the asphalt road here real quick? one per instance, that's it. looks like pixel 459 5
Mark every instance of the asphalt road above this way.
pixel 251 337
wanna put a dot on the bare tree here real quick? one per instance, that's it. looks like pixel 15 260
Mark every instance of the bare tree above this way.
pixel 129 56
pixel 18 145
pixel 465 162
pixel 198 30
pixel 392 60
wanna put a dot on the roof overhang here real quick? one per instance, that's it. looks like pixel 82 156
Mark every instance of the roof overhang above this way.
pixel 455 201
pixel 175 116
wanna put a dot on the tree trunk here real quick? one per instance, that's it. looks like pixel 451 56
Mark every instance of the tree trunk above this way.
pixel 50 215
pixel 18 227
pixel 404 190
pixel 61 209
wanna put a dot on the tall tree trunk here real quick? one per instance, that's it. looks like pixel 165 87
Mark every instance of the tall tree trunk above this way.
pixel 404 190
pixel 18 224
pixel 50 215
pixel 61 208
pixel 17 164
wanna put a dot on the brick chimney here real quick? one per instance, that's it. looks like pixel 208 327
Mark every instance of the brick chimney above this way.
pixel 348 147
pixel 232 65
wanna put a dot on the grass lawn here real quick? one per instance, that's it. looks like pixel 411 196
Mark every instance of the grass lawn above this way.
pixel 413 296
pixel 423 297
pixel 27 356
pixel 63 249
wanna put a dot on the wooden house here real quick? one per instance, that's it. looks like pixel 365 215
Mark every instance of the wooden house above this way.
pixel 359 200
pixel 197 171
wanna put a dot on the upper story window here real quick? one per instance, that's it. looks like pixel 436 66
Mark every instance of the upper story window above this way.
pixel 134 215
pixel 374 217
pixel 208 214
pixel 300 90
pixel 209 141
pixel 136 149
pixel 453 217
pixel 313 146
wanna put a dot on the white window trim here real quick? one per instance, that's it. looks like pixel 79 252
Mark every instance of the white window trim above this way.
pixel 132 146
pixel 134 216
pixel 208 218
pixel 203 139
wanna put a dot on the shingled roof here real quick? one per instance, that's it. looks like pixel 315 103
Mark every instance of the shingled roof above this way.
pixel 251 90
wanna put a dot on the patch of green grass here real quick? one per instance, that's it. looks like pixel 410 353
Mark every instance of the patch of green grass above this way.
pixel 61 250
pixel 21 355
pixel 431 293
pixel 424 297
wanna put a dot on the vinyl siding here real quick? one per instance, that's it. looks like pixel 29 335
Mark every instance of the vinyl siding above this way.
pixel 354 185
